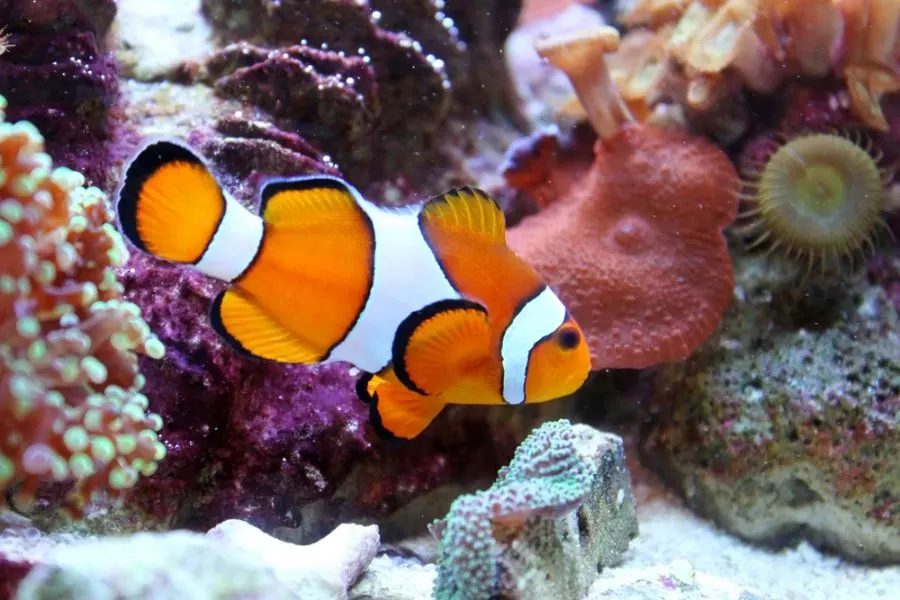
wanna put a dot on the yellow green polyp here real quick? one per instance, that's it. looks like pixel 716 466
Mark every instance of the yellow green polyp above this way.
pixel 819 198
pixel 820 190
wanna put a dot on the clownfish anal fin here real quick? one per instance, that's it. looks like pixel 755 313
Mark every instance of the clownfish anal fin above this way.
pixel 440 345
pixel 308 201
pixel 467 211
pixel 251 332
pixel 365 387
pixel 398 413
pixel 169 204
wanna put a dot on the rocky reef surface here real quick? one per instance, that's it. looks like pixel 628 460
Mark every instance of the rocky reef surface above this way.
pixel 786 423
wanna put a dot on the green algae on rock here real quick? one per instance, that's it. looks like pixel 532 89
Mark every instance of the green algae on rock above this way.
pixel 560 511
pixel 786 424
pixel 71 410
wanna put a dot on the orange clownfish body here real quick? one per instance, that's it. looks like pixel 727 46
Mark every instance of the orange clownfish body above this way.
pixel 427 300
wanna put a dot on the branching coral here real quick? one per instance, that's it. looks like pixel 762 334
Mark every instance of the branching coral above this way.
pixel 70 405
pixel 817 198
pixel 712 46
pixel 636 251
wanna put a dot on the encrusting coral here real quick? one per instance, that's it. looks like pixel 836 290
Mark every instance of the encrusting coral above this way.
pixel 70 403
pixel 818 198
pixel 636 251
pixel 558 511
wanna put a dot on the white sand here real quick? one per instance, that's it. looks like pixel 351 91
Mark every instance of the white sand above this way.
pixel 669 532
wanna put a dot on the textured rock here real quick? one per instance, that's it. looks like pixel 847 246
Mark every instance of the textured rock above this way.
pixel 234 560
pixel 141 25
pixel 675 581
pixel 390 94
pixel 21 548
pixel 389 579
pixel 287 445
pixel 786 424
pixel 560 512
pixel 58 76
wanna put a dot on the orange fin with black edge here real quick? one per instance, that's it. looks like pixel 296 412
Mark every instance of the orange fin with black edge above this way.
pixel 441 345
pixel 308 200
pixel 169 203
pixel 466 211
pixel 250 331
pixel 466 230
pixel 399 413
pixel 314 272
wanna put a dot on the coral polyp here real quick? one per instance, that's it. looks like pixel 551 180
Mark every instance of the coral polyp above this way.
pixel 818 198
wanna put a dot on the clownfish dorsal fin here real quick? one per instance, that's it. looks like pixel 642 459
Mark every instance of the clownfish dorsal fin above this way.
pixel 441 345
pixel 251 332
pixel 466 211
pixel 307 201
pixel 396 412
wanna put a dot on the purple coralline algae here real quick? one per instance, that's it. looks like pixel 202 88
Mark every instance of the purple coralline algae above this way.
pixel 58 76
pixel 329 98
pixel 246 438
pixel 284 445
pixel 374 93
pixel 785 425
pixel 248 151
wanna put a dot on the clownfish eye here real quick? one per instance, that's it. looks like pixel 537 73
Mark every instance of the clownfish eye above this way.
pixel 568 338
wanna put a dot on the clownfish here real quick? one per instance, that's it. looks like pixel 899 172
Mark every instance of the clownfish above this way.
pixel 427 301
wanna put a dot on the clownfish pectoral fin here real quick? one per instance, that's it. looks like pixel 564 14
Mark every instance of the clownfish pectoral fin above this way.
pixel 169 204
pixel 309 200
pixel 396 412
pixel 466 211
pixel 252 332
pixel 442 344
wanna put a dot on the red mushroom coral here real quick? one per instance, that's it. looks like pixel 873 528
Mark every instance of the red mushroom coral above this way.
pixel 637 250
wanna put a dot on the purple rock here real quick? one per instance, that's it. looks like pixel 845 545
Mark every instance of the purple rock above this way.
pixel 57 76
pixel 285 445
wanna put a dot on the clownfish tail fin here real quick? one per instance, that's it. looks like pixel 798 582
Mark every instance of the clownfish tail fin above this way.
pixel 169 203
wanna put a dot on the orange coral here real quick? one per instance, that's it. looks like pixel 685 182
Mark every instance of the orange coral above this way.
pixel 636 251
pixel 70 405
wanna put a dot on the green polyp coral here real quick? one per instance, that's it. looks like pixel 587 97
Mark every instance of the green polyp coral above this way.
pixel 818 199
pixel 70 403
pixel 546 478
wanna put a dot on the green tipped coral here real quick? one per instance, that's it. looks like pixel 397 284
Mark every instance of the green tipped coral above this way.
pixel 547 478
pixel 70 403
